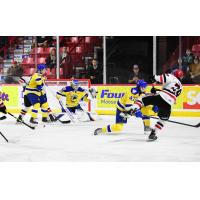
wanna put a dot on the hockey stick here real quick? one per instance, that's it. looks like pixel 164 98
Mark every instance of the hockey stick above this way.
pixel 57 118
pixel 32 127
pixel 181 123
pixel 3 136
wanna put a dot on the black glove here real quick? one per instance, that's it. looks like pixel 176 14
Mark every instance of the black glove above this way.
pixel 153 90
pixel 152 79
pixel 3 109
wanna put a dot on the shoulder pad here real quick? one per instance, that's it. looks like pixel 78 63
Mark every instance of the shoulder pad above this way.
pixel 67 89
pixel 80 89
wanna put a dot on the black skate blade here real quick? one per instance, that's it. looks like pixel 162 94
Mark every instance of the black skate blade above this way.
pixel 65 122
pixel 151 140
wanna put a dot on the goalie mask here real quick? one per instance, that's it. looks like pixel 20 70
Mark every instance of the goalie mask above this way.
pixel 74 84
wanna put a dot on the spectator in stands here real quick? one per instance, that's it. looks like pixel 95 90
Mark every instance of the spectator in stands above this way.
pixel 95 73
pixel 51 60
pixel 185 68
pixel 65 63
pixel 180 65
pixel 136 75
pixel 195 70
pixel 188 57
pixel 13 73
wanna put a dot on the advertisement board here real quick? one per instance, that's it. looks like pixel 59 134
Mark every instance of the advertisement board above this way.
pixel 187 104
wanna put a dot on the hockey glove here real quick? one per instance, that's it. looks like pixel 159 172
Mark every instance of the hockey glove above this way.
pixel 93 92
pixel 153 90
pixel 155 109
pixel 138 113
pixel 3 109
pixel 125 115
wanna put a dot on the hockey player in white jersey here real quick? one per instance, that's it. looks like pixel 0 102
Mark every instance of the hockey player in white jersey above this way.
pixel 163 99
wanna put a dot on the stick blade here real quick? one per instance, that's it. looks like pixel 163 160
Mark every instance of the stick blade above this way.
pixel 198 125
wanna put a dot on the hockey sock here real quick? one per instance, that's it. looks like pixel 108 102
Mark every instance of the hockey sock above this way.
pixel 44 109
pixel 146 121
pixel 159 125
pixel 24 111
pixel 35 109
pixel 113 128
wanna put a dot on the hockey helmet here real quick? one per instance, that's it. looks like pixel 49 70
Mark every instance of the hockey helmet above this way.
pixel 141 84
pixel 41 67
pixel 178 73
pixel 74 84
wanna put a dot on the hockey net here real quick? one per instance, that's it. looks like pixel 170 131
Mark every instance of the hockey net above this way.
pixel 55 85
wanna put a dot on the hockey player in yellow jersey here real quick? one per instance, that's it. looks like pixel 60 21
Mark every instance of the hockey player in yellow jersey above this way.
pixel 36 94
pixel 27 104
pixel 2 105
pixel 74 94
pixel 123 103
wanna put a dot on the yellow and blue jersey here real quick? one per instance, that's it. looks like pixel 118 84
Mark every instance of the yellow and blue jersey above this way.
pixel 1 101
pixel 73 97
pixel 35 85
pixel 128 99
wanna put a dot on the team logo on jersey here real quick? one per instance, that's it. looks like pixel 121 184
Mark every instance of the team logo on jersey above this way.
pixel 4 96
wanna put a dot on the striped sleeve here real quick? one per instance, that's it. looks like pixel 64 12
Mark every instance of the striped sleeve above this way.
pixel 161 78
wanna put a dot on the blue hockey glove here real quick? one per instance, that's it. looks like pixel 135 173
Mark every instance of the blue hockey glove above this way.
pixel 155 109
pixel 138 113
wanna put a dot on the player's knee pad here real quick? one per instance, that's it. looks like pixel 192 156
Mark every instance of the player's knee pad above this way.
pixel 164 118
pixel 164 114
pixel 36 106
pixel 45 106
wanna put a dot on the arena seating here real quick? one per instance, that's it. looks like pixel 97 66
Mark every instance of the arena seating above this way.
pixel 78 49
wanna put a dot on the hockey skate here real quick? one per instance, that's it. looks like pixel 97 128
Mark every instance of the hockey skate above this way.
pixel 152 136
pixel 19 119
pixel 33 121
pixel 44 119
pixel 147 129
pixel 52 118
pixel 98 131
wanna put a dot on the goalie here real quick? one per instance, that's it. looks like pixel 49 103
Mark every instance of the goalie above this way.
pixel 74 95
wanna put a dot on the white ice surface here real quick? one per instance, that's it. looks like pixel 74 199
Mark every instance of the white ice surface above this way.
pixel 76 142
